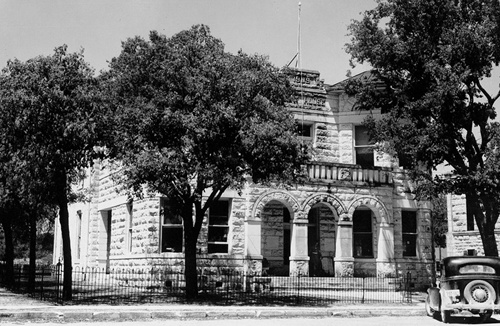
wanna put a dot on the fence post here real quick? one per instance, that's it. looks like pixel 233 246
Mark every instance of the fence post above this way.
pixel 298 287
pixel 408 287
pixel 363 290
pixel 41 281
pixel 58 278
pixel 19 272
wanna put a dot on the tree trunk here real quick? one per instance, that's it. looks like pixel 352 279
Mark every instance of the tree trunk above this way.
pixel 485 223
pixel 190 241
pixel 190 271
pixel 9 251
pixel 67 264
pixel 32 268
pixel 489 240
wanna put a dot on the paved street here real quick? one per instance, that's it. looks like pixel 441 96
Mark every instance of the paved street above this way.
pixel 354 321
pixel 16 309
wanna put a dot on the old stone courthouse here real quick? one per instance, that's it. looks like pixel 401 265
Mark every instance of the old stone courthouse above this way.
pixel 355 216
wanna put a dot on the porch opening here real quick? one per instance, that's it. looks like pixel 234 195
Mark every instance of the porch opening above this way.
pixel 276 238
pixel 321 240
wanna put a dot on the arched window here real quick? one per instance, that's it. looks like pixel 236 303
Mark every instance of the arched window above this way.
pixel 313 234
pixel 362 233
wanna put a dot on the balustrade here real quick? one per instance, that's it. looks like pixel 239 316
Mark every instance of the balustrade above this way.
pixel 346 172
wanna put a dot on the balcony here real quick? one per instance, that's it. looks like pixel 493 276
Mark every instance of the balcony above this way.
pixel 332 172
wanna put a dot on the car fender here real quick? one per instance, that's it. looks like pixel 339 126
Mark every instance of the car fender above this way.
pixel 434 298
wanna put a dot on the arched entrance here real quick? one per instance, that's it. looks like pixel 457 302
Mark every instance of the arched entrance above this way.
pixel 276 238
pixel 321 240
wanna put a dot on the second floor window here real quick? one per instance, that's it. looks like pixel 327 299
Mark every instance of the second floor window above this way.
pixel 218 227
pixel 172 233
pixel 305 129
pixel 363 147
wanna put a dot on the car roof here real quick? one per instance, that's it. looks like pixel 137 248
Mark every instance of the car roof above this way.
pixel 452 265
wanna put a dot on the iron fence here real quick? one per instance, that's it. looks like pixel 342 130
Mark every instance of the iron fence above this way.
pixel 220 284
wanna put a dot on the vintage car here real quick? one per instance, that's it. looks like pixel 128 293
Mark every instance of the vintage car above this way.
pixel 466 283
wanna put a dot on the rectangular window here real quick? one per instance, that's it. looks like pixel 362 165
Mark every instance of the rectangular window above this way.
pixel 362 233
pixel 218 227
pixel 105 227
pixel 172 233
pixel 404 161
pixel 305 129
pixel 130 209
pixel 409 230
pixel 79 230
pixel 286 236
pixel 470 215
pixel 363 147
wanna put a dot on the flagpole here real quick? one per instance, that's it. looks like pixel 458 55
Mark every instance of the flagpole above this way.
pixel 299 61
pixel 298 39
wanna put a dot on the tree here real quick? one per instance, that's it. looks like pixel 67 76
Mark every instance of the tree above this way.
pixel 10 182
pixel 431 58
pixel 439 221
pixel 194 120
pixel 22 203
pixel 54 102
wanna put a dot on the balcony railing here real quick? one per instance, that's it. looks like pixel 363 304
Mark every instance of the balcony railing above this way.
pixel 347 172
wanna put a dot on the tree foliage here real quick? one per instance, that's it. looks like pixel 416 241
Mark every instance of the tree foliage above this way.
pixel 194 120
pixel 51 115
pixel 439 221
pixel 431 58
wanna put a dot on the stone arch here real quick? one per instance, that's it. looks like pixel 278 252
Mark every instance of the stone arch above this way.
pixel 331 201
pixel 375 204
pixel 284 197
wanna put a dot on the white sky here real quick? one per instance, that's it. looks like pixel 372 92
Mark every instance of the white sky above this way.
pixel 35 27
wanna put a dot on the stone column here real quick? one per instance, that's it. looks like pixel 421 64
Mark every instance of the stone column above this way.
pixel 424 238
pixel 385 250
pixel 299 257
pixel 344 261
pixel 253 246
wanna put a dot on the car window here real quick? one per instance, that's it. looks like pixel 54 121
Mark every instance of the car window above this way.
pixel 476 268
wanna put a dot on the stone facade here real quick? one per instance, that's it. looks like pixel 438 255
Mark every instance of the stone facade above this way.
pixel 305 230
pixel 463 236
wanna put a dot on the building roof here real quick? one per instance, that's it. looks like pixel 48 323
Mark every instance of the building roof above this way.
pixel 364 77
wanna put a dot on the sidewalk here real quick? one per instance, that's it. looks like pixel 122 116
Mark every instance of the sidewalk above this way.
pixel 16 307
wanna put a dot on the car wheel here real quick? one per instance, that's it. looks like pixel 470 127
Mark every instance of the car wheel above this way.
pixel 479 292
pixel 485 316
pixel 445 316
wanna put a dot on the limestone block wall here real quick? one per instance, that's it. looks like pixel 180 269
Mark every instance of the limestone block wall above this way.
pixel 334 200
pixel 145 228
pixel 421 266
pixel 346 154
pixel 326 142
pixel 237 226
pixel 458 239
pixel 458 212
